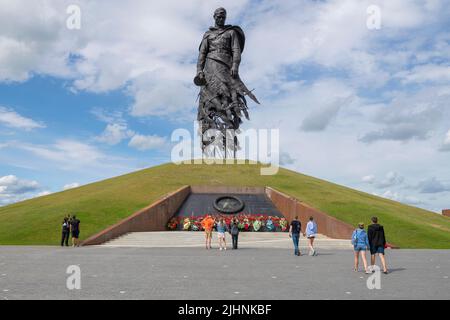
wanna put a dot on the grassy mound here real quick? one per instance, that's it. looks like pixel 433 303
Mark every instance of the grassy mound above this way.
pixel 101 204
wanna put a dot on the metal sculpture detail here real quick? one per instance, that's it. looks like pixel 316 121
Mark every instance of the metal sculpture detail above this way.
pixel 222 98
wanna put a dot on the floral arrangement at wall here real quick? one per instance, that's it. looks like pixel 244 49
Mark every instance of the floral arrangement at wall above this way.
pixel 246 222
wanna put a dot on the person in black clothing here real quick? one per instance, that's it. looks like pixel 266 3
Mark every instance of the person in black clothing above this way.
pixel 75 229
pixel 294 233
pixel 377 242
pixel 65 233
pixel 234 231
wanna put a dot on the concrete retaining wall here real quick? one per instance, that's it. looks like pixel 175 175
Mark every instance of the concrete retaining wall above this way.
pixel 291 207
pixel 151 218
pixel 155 216
pixel 227 190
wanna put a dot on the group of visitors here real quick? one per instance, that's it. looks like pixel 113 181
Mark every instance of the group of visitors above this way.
pixel 209 223
pixel 373 240
pixel 70 226
pixel 310 233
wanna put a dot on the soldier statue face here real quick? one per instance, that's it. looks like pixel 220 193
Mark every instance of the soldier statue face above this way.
pixel 220 15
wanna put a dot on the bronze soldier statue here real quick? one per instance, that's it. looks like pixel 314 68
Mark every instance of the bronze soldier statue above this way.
pixel 222 102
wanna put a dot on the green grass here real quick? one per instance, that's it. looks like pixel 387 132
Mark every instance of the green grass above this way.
pixel 101 204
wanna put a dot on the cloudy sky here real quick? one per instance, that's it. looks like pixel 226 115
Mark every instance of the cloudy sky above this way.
pixel 357 105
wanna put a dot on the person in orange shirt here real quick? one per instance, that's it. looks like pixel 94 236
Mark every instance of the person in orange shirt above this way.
pixel 208 224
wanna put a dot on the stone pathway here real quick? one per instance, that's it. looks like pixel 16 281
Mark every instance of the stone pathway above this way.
pixel 180 239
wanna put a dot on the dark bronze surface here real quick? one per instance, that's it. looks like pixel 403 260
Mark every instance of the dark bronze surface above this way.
pixel 222 98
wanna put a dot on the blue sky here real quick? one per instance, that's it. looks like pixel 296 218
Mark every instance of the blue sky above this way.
pixel 364 108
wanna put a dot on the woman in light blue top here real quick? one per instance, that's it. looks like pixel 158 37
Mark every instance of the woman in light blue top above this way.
pixel 360 243
pixel 221 230
pixel 311 232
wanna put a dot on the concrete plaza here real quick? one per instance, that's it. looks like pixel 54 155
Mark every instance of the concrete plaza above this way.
pixel 196 273
pixel 180 239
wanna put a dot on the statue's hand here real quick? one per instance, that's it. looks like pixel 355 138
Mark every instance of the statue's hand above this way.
pixel 234 71
pixel 201 75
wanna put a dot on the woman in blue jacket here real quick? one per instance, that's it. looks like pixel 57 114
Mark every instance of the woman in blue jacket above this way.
pixel 360 243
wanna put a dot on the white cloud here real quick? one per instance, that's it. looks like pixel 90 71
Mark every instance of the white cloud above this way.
pixel 108 116
pixel 286 159
pixel 114 134
pixel 144 143
pixel 35 45
pixel 368 179
pixel 411 200
pixel 426 73
pixel 42 194
pixel 155 61
pixel 446 145
pixel 399 14
pixel 410 116
pixel 321 118
pixel 14 185
pixel 12 119
pixel 71 186
pixel 67 159
pixel 154 95
pixel 66 151
pixel 391 179
pixel 433 185
pixel 13 189
pixel 75 156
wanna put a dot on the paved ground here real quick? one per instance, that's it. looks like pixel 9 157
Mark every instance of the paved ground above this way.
pixel 178 239
pixel 194 273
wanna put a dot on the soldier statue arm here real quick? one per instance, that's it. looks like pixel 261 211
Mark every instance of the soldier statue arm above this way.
pixel 202 57
pixel 236 52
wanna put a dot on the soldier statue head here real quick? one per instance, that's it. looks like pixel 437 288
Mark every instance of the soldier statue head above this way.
pixel 220 15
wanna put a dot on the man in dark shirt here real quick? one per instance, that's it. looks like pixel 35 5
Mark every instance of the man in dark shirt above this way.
pixel 294 233
pixel 234 231
pixel 75 228
pixel 377 242
pixel 65 233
